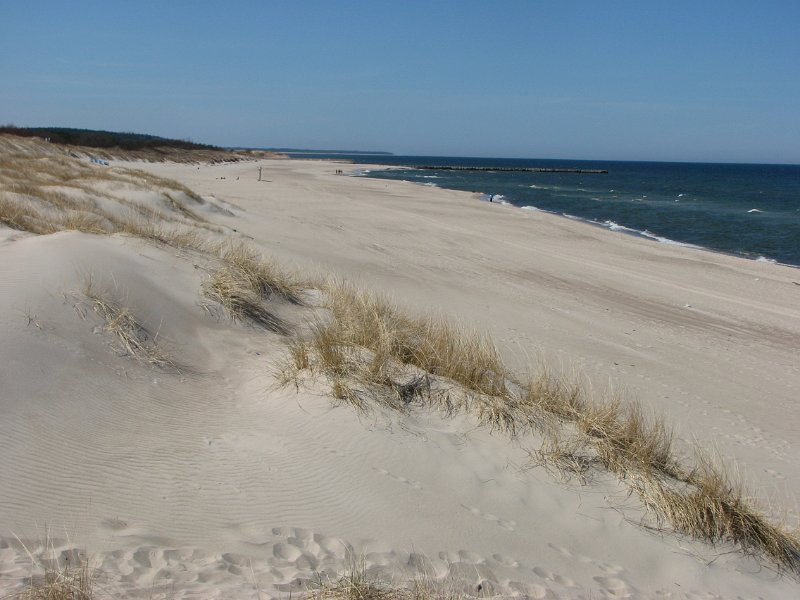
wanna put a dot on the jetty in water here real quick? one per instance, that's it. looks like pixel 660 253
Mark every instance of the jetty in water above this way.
pixel 525 169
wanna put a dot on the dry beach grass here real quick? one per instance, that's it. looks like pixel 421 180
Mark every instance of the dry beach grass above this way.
pixel 371 352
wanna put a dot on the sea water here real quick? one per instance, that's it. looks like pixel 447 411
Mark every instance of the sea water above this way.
pixel 744 209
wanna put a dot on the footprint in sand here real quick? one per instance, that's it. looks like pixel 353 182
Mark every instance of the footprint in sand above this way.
pixel 554 577
pixel 413 484
pixel 615 586
pixel 506 561
pixel 775 474
pixel 335 451
pixel 506 524
pixel 299 541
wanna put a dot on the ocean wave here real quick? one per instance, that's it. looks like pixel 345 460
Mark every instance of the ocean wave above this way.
pixel 767 260
pixel 617 227
pixel 533 208
pixel 663 240
pixel 614 226
pixel 752 210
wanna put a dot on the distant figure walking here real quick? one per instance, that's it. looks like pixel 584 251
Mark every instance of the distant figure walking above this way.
pixel 491 198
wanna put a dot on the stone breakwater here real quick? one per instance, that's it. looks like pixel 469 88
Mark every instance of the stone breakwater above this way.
pixel 517 169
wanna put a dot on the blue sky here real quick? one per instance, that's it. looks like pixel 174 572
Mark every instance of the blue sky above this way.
pixel 645 80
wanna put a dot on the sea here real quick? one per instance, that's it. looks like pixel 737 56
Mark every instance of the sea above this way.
pixel 749 210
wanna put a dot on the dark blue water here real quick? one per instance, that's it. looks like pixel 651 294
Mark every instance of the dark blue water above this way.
pixel 748 210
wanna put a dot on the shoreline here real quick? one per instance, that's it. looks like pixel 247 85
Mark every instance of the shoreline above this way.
pixel 572 248
pixel 609 224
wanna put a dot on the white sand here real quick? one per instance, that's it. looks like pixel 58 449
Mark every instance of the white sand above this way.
pixel 211 483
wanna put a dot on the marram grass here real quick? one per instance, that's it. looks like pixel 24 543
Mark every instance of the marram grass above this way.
pixel 371 352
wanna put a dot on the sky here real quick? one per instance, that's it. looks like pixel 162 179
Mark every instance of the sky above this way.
pixel 678 81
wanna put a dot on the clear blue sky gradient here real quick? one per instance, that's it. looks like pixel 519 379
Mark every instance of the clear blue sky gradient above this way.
pixel 678 81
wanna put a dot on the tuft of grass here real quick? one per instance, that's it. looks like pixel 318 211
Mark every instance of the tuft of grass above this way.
pixel 715 509
pixel 625 439
pixel 66 583
pixel 372 352
pixel 246 281
pixel 262 275
pixel 134 339
pixel 234 292
pixel 356 585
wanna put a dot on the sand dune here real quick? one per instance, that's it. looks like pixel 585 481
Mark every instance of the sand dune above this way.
pixel 204 479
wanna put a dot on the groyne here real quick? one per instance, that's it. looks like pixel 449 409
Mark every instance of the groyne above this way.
pixel 504 169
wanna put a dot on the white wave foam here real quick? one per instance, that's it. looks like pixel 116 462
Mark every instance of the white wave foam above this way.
pixel 613 226
pixel 664 240
pixel 752 210
pixel 533 208
pixel 617 227
pixel 772 261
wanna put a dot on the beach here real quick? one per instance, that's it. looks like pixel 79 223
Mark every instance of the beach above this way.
pixel 707 338
pixel 211 480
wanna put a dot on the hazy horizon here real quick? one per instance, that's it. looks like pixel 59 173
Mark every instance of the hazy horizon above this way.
pixel 687 82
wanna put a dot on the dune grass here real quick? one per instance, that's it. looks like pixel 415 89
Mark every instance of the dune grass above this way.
pixel 370 352
pixel 133 338
pixel 241 301
pixel 66 583
pixel 356 584
pixel 247 285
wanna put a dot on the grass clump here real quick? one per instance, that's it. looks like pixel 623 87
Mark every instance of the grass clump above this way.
pixel 711 507
pixel 262 275
pixel 66 583
pixel 134 339
pixel 371 353
pixel 247 285
pixel 235 294
pixel 357 584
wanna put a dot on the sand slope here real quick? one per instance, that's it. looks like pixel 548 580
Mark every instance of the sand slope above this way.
pixel 710 339
pixel 207 481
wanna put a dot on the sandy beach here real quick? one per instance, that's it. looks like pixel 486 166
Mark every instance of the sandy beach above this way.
pixel 709 339
pixel 209 480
